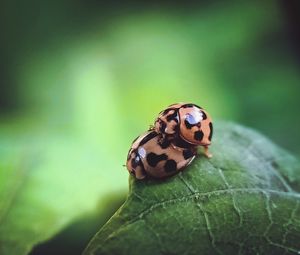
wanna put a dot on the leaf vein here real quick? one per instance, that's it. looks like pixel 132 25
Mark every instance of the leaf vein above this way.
pixel 238 211
pixel 208 227
pixel 198 195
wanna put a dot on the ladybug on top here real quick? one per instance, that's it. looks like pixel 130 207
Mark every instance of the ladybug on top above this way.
pixel 171 143
pixel 186 125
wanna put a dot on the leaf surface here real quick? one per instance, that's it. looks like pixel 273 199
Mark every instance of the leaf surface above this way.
pixel 245 200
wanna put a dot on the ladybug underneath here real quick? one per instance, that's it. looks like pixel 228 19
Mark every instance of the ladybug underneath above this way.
pixel 149 155
pixel 185 125
pixel 171 144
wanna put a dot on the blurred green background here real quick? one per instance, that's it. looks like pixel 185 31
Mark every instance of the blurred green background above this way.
pixel 81 79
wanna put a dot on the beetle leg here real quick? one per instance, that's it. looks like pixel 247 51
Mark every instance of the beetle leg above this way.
pixel 151 128
pixel 206 152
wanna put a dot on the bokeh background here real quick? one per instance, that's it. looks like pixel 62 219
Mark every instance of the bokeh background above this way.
pixel 81 79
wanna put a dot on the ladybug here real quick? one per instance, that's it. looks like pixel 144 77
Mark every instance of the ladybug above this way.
pixel 185 125
pixel 152 155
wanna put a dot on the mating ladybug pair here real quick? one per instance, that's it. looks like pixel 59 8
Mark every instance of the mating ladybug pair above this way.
pixel 171 144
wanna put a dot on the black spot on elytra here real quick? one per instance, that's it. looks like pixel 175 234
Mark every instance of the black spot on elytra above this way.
pixel 190 106
pixel 211 131
pixel 162 126
pixel 187 154
pixel 198 135
pixel 190 121
pixel 204 116
pixel 148 137
pixel 153 158
pixel 187 124
pixel 166 111
pixel 173 116
pixel 170 166
pixel 164 143
pixel 135 161
pixel 179 142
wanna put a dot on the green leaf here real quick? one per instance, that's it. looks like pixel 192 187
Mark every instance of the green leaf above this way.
pixel 244 200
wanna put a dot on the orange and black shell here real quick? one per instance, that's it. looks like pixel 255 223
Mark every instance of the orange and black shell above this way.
pixel 151 155
pixel 185 123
